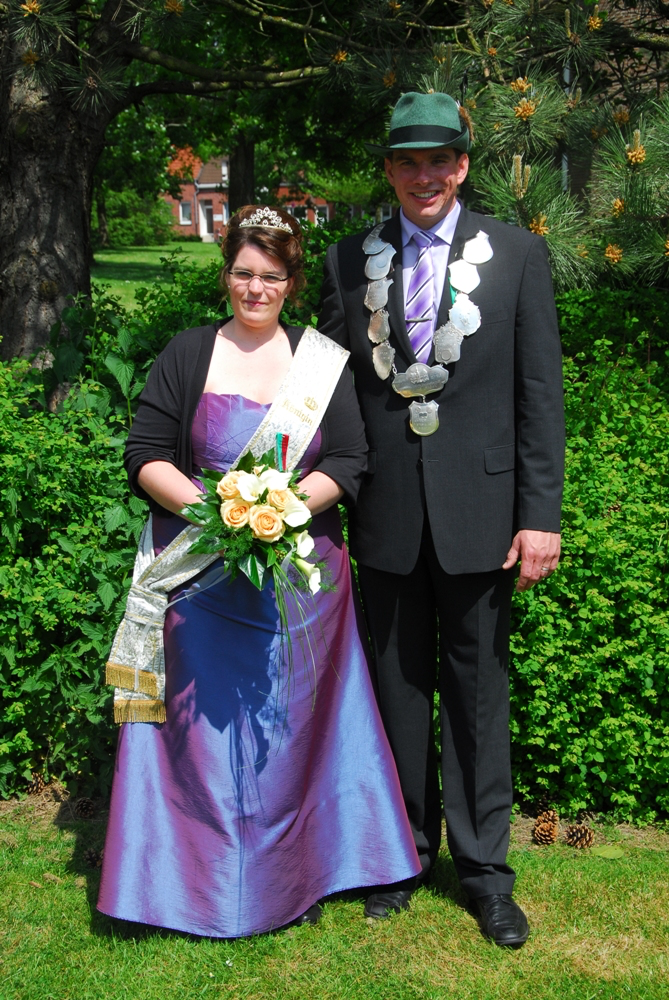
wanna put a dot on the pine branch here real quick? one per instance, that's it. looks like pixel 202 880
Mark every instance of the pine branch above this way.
pixel 146 54
pixel 193 88
pixel 254 11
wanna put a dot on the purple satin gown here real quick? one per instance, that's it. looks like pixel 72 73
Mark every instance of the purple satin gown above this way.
pixel 259 795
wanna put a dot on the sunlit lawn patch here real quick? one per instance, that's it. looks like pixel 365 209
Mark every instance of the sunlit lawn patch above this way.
pixel 127 268
pixel 600 929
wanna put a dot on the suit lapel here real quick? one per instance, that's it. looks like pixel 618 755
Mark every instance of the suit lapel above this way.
pixel 465 230
pixel 392 232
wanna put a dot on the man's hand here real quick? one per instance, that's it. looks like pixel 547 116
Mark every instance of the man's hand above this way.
pixel 538 551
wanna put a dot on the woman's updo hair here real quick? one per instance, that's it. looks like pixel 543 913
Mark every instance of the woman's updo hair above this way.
pixel 285 246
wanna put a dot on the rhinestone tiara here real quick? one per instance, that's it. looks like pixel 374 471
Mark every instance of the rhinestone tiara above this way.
pixel 268 219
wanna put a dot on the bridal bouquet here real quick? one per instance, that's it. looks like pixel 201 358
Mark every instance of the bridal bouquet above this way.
pixel 256 516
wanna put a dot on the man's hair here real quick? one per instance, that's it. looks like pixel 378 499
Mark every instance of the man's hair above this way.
pixel 458 152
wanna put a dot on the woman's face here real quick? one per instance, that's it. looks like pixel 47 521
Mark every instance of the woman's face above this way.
pixel 258 285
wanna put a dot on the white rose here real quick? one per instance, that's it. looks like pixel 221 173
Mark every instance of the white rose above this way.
pixel 295 512
pixel 312 574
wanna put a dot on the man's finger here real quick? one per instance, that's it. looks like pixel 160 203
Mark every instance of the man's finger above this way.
pixel 511 556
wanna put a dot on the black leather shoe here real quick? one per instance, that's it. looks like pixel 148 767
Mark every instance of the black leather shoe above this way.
pixel 502 920
pixel 390 899
pixel 310 916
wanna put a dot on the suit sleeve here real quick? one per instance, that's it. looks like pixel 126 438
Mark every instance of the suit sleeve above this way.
pixel 332 316
pixel 540 436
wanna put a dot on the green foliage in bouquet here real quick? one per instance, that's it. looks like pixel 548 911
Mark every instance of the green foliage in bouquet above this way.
pixel 242 550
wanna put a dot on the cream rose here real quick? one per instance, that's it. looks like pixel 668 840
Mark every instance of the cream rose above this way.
pixel 279 498
pixel 227 488
pixel 266 523
pixel 235 513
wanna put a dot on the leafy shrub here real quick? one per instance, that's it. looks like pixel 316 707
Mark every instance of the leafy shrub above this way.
pixel 67 536
pixel 590 660
pixel 589 668
pixel 136 221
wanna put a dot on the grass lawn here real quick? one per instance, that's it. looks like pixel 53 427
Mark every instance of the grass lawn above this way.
pixel 600 929
pixel 128 268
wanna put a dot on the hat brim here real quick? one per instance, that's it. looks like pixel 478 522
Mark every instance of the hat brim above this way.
pixel 463 146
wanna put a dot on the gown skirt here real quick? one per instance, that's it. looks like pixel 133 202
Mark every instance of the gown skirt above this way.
pixel 266 789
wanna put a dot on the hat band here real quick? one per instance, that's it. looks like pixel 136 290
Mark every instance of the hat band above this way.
pixel 424 133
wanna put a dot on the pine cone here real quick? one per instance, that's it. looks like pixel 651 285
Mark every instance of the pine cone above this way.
pixel 546 827
pixel 84 808
pixel 579 835
pixel 37 785
pixel 93 857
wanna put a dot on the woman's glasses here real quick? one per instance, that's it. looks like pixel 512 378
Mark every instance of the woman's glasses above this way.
pixel 246 277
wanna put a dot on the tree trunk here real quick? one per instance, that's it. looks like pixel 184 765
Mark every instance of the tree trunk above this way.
pixel 101 208
pixel 47 156
pixel 242 174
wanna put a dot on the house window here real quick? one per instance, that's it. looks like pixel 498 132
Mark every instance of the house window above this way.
pixel 185 213
pixel 298 211
pixel 321 214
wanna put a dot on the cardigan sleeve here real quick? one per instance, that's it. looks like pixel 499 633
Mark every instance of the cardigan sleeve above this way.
pixel 344 457
pixel 154 434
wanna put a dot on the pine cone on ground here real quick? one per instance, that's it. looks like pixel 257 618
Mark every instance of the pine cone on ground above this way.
pixel 37 785
pixel 579 835
pixel 84 808
pixel 93 857
pixel 546 827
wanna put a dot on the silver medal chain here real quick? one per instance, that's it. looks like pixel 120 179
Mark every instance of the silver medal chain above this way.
pixel 464 318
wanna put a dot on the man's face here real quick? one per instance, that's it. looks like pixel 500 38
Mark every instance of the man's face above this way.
pixel 426 182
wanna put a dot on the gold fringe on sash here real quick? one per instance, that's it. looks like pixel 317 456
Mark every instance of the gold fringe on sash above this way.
pixel 139 710
pixel 124 677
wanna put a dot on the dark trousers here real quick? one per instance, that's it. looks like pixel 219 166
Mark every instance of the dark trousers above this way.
pixel 431 631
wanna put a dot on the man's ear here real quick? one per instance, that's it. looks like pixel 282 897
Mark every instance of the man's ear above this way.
pixel 388 167
pixel 463 167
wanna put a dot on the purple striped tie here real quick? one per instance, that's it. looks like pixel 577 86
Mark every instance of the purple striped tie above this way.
pixel 420 298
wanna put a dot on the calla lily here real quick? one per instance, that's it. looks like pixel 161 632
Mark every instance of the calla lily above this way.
pixel 295 512
pixel 250 487
pixel 304 544
pixel 312 574
pixel 272 479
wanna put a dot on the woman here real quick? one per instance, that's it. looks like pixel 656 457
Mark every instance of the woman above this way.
pixel 256 797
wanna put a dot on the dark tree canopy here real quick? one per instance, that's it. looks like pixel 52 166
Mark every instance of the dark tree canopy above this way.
pixel 314 79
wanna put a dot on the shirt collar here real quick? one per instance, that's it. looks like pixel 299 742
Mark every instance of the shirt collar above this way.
pixel 444 230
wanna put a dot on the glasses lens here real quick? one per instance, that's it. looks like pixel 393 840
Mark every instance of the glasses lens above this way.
pixel 246 277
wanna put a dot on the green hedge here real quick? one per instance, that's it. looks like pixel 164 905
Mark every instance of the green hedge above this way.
pixel 589 652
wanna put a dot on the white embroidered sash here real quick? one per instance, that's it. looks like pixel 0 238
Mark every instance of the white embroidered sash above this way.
pixel 136 665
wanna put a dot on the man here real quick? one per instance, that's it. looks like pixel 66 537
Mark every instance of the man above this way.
pixel 459 380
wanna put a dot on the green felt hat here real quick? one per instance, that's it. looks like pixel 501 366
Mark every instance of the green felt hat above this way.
pixel 424 121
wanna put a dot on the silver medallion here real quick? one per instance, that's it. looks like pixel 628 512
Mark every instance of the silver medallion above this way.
pixel 478 250
pixel 378 265
pixel 447 340
pixel 383 356
pixel 464 276
pixel 379 327
pixel 465 315
pixel 424 417
pixel 372 243
pixel 420 380
pixel 377 294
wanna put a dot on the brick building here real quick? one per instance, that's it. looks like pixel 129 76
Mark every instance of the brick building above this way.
pixel 202 208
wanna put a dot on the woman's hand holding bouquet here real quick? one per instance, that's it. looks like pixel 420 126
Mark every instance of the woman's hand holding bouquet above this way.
pixel 256 516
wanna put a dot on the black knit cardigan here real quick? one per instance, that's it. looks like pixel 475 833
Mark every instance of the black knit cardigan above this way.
pixel 161 430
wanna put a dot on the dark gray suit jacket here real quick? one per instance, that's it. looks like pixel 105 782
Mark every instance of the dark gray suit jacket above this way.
pixel 495 464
